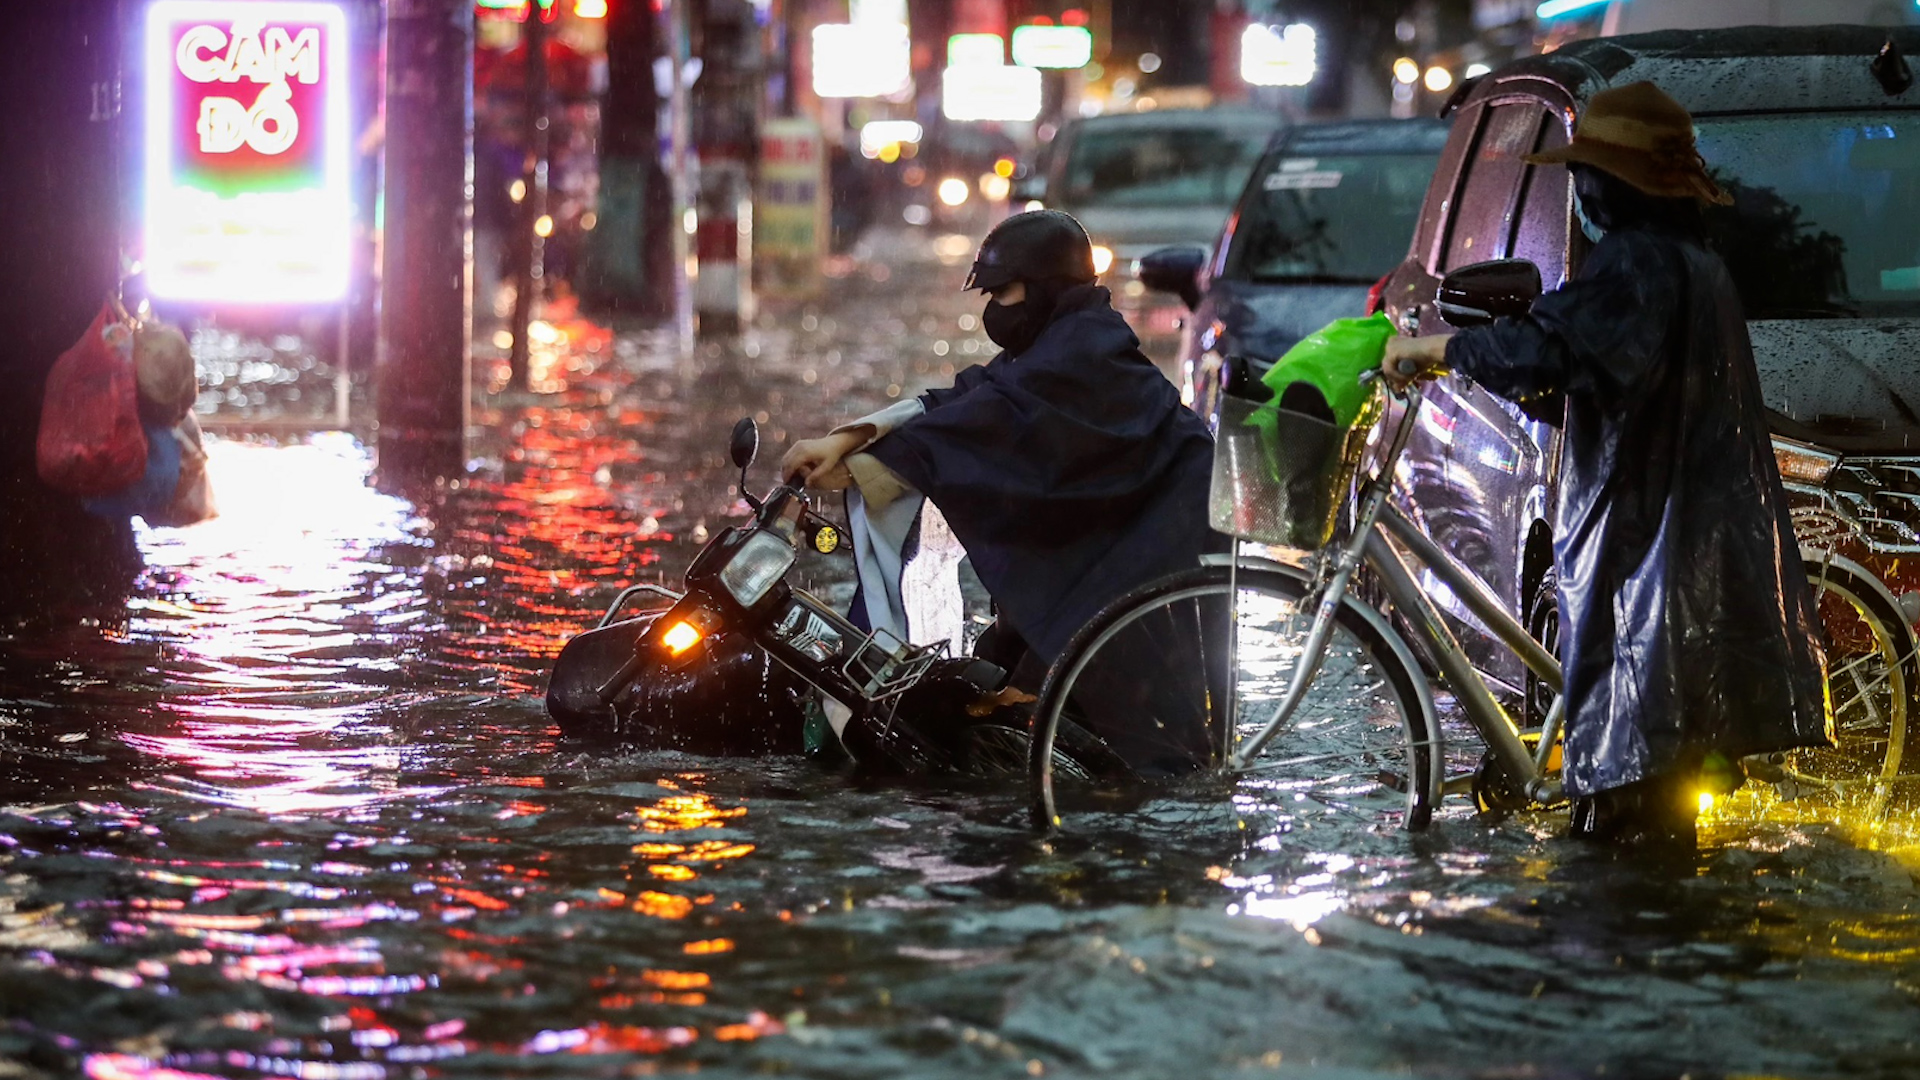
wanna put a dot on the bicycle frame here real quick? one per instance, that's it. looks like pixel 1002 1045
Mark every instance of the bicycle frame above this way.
pixel 1378 527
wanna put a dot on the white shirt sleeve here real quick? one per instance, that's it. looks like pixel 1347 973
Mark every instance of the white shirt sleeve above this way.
pixel 885 420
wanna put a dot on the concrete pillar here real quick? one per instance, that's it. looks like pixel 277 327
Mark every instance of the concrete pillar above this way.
pixel 426 283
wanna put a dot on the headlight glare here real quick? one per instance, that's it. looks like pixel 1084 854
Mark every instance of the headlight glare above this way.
pixel 760 562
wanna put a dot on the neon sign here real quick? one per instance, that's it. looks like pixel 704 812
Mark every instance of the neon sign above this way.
pixel 246 151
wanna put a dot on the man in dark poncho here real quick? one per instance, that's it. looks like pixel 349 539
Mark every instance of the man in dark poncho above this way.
pixel 1066 466
pixel 1687 623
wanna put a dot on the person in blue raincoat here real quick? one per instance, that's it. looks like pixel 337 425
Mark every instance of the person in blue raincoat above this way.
pixel 1687 623
pixel 1066 466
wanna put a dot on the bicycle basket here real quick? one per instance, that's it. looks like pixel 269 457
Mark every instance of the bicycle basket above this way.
pixel 1279 476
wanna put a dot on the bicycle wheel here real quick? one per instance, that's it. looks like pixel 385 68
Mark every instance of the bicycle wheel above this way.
pixel 1870 683
pixel 1153 675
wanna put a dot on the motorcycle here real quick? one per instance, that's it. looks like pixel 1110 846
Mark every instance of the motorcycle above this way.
pixel 743 662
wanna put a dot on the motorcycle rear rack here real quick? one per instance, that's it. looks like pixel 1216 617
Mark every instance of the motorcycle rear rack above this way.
pixel 883 665
pixel 632 591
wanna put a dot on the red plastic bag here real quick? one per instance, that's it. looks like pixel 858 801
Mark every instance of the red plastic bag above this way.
pixel 90 438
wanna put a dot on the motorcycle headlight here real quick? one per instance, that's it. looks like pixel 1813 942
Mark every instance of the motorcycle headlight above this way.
pixel 760 562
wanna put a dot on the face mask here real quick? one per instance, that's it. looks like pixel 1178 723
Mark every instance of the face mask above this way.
pixel 1592 231
pixel 1011 326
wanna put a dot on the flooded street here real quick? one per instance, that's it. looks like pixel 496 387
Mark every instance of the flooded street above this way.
pixel 296 810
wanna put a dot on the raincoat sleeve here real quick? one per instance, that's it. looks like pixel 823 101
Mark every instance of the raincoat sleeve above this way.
pixel 1601 335
pixel 963 381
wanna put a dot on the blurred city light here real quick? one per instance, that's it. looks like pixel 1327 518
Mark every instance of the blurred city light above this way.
pixel 1406 70
pixel 1003 93
pixel 952 191
pixel 861 60
pixel 1438 79
pixel 1474 71
pixel 995 187
pixel 1051 46
pixel 976 50
pixel 1278 57
pixel 1004 166
pixel 1102 258
pixel 1149 63
pixel 877 135
pixel 1553 9
pixel 590 9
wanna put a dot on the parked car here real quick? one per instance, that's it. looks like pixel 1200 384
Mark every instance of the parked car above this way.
pixel 1142 181
pixel 1818 140
pixel 1325 215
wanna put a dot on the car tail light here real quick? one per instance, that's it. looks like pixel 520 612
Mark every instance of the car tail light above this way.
pixel 1377 296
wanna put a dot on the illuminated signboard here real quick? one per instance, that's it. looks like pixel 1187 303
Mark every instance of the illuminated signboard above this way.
pixel 246 151
pixel 1278 56
pixel 858 60
pixel 990 93
pixel 1052 46
pixel 976 50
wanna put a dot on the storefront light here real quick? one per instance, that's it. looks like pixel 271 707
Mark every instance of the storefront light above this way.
pixel 1278 56
pixel 1061 47
pixel 1005 93
pixel 976 51
pixel 861 60
pixel 1406 70
pixel 1438 79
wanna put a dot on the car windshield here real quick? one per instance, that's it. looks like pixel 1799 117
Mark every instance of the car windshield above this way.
pixel 1333 219
pixel 1173 166
pixel 1825 221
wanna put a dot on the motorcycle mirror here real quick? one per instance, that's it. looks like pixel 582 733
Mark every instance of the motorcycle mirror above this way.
pixel 745 443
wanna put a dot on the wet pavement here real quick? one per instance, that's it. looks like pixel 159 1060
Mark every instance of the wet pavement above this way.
pixel 296 810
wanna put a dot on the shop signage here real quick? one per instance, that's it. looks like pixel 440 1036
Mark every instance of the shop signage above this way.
pixel 246 188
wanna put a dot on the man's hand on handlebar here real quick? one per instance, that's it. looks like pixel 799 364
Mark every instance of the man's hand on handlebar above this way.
pixel 1413 358
pixel 821 462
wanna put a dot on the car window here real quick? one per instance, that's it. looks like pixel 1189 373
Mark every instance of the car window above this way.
pixel 1183 166
pixel 1338 219
pixel 1478 230
pixel 1540 229
pixel 1825 221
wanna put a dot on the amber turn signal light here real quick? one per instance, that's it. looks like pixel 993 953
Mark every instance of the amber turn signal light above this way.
pixel 680 637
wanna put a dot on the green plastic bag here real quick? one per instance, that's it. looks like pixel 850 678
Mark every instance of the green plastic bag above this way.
pixel 1280 473
pixel 1332 359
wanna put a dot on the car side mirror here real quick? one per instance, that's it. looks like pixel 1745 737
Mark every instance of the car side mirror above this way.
pixel 1478 294
pixel 744 446
pixel 1175 270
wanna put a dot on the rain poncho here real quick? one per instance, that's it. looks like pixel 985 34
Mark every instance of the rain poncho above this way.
pixel 1070 474
pixel 1686 621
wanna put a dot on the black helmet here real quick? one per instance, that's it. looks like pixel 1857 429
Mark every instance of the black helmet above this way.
pixel 1033 246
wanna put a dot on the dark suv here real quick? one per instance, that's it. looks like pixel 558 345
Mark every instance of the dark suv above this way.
pixel 1816 133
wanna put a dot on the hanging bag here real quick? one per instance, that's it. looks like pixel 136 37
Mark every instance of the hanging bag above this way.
pixel 90 440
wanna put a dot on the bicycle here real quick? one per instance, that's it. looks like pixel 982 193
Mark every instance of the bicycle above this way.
pixel 1314 706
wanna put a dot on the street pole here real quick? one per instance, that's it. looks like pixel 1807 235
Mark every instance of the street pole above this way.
pixel 426 281
pixel 528 246
pixel 679 47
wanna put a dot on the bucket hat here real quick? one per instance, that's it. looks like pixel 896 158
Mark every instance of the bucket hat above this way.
pixel 1639 134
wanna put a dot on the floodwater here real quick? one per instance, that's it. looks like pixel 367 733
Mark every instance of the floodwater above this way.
pixel 295 811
